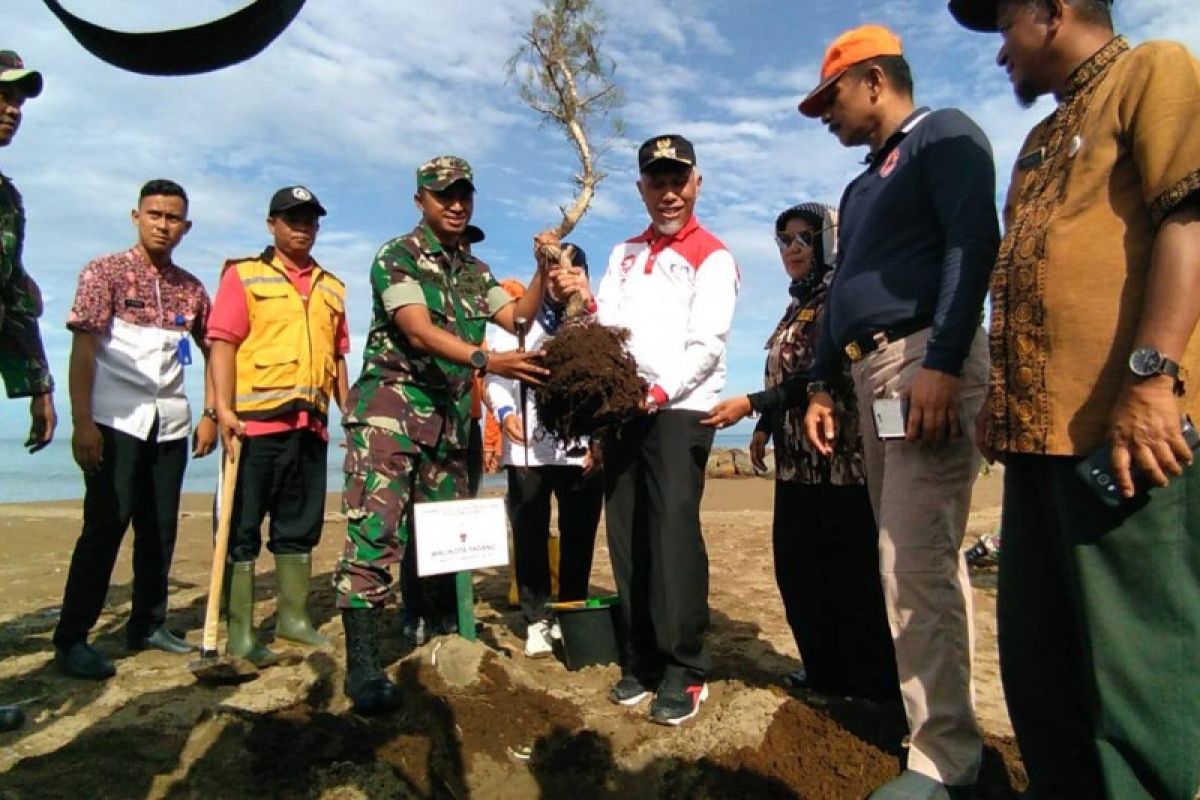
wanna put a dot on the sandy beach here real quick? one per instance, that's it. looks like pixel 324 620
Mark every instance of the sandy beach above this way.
pixel 153 732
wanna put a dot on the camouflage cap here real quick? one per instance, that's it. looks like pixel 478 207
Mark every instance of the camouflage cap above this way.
pixel 438 173
pixel 12 70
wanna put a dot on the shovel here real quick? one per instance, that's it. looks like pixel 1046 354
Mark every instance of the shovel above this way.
pixel 212 666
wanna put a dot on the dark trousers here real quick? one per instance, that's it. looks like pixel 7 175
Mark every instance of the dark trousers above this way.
pixel 579 498
pixel 139 482
pixel 281 475
pixel 1099 631
pixel 827 569
pixel 654 479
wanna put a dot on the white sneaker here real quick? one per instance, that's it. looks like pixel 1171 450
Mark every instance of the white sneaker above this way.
pixel 537 640
pixel 555 631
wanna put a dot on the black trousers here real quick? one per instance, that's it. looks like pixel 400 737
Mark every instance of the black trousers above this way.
pixel 283 475
pixel 139 482
pixel 654 479
pixel 827 569
pixel 579 499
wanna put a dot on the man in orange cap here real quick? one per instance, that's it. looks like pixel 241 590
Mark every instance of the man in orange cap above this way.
pixel 1095 336
pixel 918 240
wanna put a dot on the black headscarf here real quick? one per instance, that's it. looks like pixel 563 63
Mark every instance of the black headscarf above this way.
pixel 823 220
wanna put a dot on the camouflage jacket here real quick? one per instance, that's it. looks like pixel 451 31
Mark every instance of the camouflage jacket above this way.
pixel 23 362
pixel 423 399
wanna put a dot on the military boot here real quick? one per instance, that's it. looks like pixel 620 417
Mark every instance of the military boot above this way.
pixel 242 641
pixel 367 685
pixel 293 571
pixel 11 718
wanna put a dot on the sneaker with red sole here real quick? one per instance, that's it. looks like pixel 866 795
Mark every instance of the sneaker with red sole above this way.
pixel 675 704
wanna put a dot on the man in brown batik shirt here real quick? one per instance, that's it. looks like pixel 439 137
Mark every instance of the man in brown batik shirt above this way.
pixel 1095 300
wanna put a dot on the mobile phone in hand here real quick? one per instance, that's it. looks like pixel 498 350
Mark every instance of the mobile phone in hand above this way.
pixel 1097 471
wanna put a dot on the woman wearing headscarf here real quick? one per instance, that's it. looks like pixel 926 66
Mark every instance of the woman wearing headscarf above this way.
pixel 823 533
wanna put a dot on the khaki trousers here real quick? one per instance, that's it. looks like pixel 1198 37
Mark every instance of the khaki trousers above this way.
pixel 921 495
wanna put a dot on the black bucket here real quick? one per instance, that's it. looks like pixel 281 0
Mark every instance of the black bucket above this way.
pixel 589 631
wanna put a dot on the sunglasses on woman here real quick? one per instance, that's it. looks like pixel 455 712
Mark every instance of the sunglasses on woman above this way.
pixel 786 240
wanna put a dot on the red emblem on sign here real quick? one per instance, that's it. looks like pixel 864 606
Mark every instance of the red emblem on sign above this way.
pixel 889 166
pixel 462 537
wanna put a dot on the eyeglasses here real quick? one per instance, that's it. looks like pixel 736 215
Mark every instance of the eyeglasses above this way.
pixel 786 240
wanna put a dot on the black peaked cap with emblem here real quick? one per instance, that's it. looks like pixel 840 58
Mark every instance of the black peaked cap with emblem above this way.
pixel 669 148
pixel 290 197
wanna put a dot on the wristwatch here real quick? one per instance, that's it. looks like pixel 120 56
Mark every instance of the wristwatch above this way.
pixel 211 413
pixel 478 360
pixel 817 387
pixel 1146 362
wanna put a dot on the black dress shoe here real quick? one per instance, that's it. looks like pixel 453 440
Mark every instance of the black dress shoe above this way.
pixel 161 639
pixel 81 660
pixel 11 718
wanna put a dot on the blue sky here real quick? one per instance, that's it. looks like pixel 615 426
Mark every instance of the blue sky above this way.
pixel 358 92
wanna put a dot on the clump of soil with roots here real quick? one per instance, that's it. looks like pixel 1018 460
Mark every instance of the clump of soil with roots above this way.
pixel 593 384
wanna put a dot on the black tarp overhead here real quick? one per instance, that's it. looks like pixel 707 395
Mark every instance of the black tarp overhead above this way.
pixel 185 51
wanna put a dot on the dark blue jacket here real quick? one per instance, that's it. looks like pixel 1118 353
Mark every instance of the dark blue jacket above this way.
pixel 917 241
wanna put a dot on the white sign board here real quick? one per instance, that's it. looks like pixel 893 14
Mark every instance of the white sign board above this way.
pixel 460 535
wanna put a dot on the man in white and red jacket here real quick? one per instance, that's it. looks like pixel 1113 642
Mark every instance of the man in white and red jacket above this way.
pixel 674 287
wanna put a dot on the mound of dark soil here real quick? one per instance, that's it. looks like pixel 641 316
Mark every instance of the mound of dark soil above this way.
pixel 593 384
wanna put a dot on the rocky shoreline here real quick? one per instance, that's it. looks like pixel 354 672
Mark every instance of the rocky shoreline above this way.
pixel 734 462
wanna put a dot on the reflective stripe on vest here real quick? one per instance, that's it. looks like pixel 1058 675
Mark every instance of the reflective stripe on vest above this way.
pixel 288 361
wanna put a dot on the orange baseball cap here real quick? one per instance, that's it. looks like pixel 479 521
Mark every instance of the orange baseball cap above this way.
pixel 852 47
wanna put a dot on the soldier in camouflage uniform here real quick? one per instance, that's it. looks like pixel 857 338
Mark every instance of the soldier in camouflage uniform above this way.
pixel 408 414
pixel 22 358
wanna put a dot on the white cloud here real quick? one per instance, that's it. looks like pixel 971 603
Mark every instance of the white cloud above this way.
pixel 358 92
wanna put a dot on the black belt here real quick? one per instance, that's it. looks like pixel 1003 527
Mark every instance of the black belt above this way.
pixel 868 343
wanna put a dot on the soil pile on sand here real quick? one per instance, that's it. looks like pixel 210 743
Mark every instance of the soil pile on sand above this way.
pixel 593 384
pixel 470 711
pixel 499 736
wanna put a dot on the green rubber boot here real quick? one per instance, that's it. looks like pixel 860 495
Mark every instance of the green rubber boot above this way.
pixel 226 577
pixel 293 572
pixel 242 641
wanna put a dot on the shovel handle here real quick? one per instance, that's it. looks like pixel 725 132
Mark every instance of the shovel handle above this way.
pixel 212 614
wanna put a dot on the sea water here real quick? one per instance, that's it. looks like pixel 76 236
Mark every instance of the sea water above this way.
pixel 52 474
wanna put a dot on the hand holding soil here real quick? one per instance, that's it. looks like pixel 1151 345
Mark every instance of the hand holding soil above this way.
pixel 593 385
pixel 519 366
